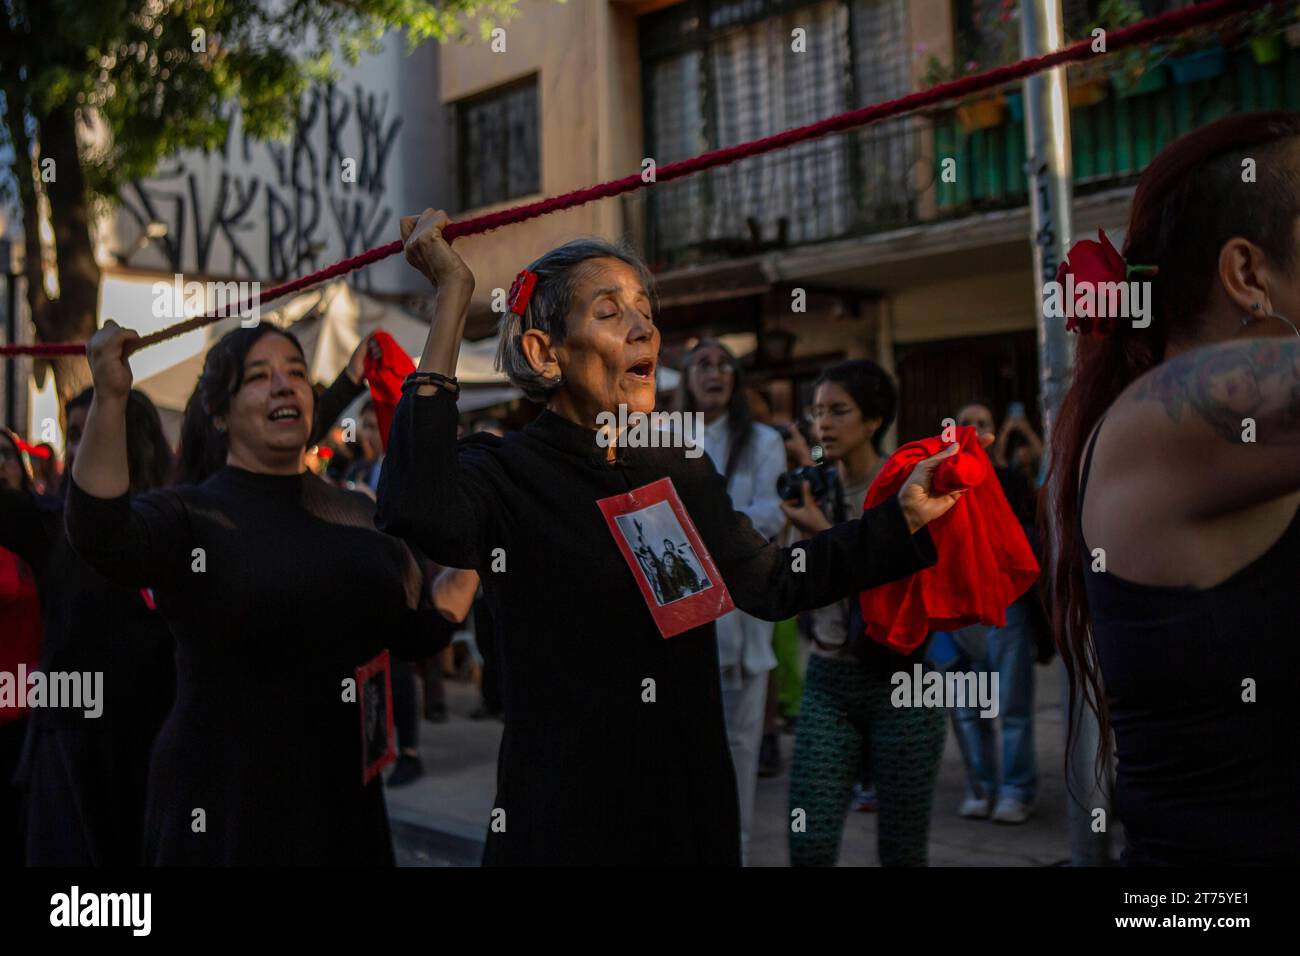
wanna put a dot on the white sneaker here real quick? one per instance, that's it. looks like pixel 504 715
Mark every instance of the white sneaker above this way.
pixel 974 808
pixel 1012 811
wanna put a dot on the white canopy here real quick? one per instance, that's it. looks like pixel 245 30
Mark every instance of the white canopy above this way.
pixel 329 322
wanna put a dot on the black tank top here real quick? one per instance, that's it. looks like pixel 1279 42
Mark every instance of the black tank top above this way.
pixel 1203 776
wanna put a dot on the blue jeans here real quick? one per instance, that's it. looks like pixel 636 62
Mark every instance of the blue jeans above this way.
pixel 1009 651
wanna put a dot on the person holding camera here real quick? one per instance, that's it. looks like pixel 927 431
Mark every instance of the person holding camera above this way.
pixel 846 714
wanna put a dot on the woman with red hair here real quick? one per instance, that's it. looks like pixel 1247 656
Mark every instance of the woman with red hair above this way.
pixel 1173 497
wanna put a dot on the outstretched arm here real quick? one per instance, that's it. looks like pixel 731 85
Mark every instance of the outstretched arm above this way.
pixel 770 582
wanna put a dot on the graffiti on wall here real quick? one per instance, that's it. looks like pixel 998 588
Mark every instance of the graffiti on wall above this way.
pixel 325 193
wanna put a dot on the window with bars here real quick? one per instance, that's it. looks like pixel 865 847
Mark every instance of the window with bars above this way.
pixel 722 72
pixel 496 145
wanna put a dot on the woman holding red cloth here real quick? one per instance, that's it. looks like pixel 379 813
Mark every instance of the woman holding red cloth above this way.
pixel 1175 502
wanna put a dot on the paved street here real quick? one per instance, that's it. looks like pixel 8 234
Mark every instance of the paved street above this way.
pixel 440 820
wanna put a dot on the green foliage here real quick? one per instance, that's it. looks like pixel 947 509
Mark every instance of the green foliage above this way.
pixel 162 73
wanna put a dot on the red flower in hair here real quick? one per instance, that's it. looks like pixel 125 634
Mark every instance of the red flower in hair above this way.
pixel 1092 263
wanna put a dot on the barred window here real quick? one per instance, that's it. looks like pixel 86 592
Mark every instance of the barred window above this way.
pixel 722 72
pixel 497 151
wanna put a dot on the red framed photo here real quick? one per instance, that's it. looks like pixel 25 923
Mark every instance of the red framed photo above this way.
pixel 375 702
pixel 680 583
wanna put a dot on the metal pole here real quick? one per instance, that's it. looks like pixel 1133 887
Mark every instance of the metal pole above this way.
pixel 1047 144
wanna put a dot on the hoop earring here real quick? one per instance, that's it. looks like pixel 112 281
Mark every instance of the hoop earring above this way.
pixel 1277 315
pixel 1245 319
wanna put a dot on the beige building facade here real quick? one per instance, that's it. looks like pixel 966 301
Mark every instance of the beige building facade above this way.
pixel 931 278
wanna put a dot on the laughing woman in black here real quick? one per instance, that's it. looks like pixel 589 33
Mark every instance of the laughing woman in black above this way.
pixel 277 588
pixel 614 748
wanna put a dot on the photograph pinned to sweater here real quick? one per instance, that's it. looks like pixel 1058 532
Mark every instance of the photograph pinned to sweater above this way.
pixel 985 561
pixel 674 571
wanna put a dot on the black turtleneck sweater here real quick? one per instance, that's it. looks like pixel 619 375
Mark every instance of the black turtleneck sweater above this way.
pixel 296 590
pixel 589 771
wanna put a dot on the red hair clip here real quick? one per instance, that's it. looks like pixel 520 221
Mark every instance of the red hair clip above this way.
pixel 522 291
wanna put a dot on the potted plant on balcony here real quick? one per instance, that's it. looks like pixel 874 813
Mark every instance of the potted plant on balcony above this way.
pixel 1192 59
pixel 1261 31
pixel 1088 84
pixel 995 39
pixel 1138 69
pixel 998 25
pixel 979 112
pixel 983 112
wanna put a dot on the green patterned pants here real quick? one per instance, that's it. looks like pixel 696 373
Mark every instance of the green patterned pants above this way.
pixel 846 716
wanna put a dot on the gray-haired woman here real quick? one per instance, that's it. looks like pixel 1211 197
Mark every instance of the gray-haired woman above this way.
pixel 614 748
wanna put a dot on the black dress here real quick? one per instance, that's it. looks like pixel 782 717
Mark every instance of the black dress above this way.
pixel 277 588
pixel 590 773
pixel 1203 776
pixel 86 776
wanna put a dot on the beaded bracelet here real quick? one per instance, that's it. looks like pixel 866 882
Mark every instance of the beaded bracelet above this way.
pixel 419 379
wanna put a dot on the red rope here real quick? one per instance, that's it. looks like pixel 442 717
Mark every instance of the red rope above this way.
pixel 1166 24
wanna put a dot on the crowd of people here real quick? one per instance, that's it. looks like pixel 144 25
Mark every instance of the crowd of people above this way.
pixel 239 593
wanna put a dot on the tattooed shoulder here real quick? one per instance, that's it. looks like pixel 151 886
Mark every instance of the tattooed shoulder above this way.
pixel 1231 387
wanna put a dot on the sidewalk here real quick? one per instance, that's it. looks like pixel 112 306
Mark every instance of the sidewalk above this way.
pixel 440 820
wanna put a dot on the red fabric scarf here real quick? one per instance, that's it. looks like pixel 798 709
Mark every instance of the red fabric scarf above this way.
pixel 385 378
pixel 985 562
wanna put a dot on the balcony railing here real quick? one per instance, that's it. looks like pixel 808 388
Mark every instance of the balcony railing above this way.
pixel 842 185
pixel 1112 140
pixel 889 176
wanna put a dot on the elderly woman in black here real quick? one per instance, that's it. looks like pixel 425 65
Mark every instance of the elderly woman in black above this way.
pixel 614 749
pixel 282 598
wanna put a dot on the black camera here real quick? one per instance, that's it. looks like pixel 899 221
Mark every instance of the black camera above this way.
pixel 790 484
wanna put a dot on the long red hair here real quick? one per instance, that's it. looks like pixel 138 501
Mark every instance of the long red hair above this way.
pixel 1193 197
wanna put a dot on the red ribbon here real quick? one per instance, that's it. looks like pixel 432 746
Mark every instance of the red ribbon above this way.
pixel 522 291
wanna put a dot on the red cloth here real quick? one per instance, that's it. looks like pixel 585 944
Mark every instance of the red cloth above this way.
pixel 385 377
pixel 20 628
pixel 985 561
